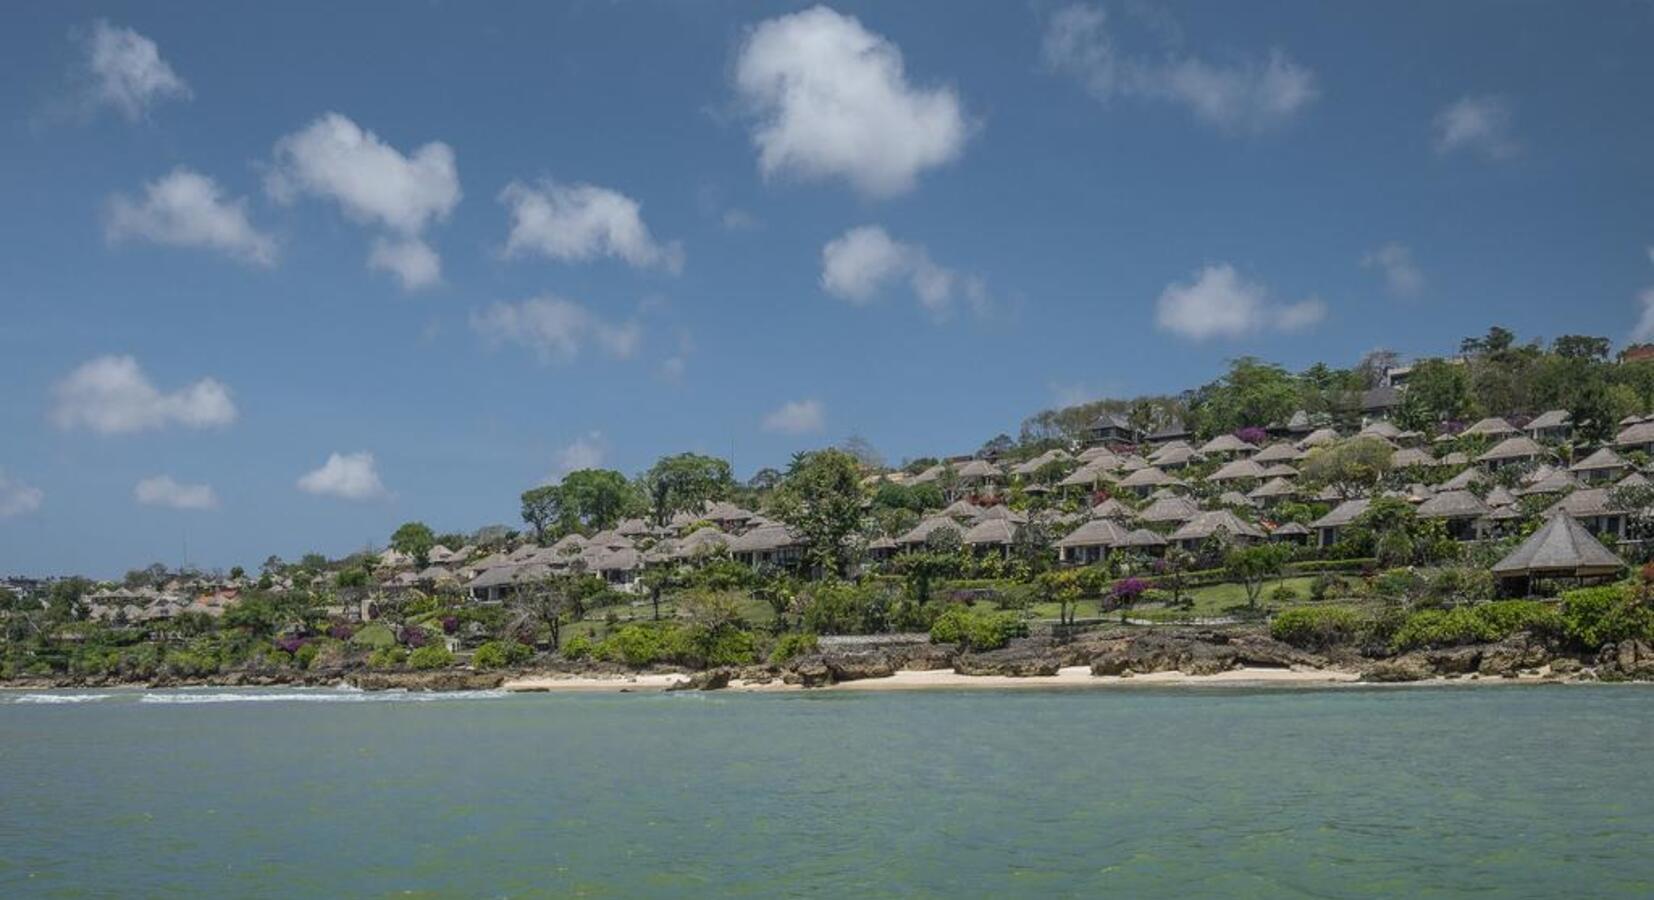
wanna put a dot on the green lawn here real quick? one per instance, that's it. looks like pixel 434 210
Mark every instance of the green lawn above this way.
pixel 595 626
pixel 1209 602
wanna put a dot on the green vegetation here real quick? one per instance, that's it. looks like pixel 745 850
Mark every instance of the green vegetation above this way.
pixel 1319 627
pixel 976 629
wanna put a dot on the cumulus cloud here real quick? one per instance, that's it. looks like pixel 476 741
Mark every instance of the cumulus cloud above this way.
pixel 1244 95
pixel 797 417
pixel 1480 125
pixel 17 498
pixel 126 73
pixel 861 263
pixel 411 260
pixel 162 490
pixel 579 222
pixel 187 209
pixel 1401 274
pixel 1218 303
pixel 586 452
pixel 349 476
pixel 112 395
pixel 830 99
pixel 555 329
pixel 374 184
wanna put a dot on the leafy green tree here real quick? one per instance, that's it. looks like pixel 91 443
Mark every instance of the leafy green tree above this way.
pixel 685 483
pixel 821 499
pixel 542 509
pixel 597 498
pixel 416 540
pixel 1252 394
pixel 1351 466
pixel 1437 391
pixel 1063 589
pixel 1253 565
pixel 546 603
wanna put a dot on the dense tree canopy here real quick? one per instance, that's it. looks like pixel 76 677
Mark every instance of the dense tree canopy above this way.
pixel 685 482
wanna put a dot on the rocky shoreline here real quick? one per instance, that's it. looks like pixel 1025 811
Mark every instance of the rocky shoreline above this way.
pixel 1117 653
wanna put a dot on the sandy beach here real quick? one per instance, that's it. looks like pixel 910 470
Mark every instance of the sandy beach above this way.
pixel 932 679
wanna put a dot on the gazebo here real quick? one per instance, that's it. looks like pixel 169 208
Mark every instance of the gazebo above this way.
pixel 1560 549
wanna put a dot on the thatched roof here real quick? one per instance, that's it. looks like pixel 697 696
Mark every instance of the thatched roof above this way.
pixel 1462 481
pixel 1499 496
pixel 1275 487
pixel 1408 457
pixel 1555 418
pixel 1559 481
pixel 991 531
pixel 1380 429
pixel 1096 533
pixel 979 468
pixel 1290 529
pixel 1210 523
pixel 1601 460
pixel 1280 470
pixel 1085 476
pixel 1454 458
pixel 1278 452
pixel 1169 509
pixel 1640 433
pixel 1562 547
pixel 1097 454
pixel 1585 504
pixel 1237 470
pixel 1040 461
pixel 1149 477
pixel 921 532
pixel 1342 514
pixel 1520 447
pixel 1492 426
pixel 1226 443
pixel 1001 511
pixel 1635 479
pixel 1235 498
pixel 1173 455
pixel 1320 437
pixel 1453 505
pixel 766 538
pixel 1112 509
pixel 1142 537
pixel 702 540
pixel 962 509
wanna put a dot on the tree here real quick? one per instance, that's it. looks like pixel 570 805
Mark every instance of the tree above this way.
pixel 546 603
pixel 864 452
pixel 1579 346
pixel 821 499
pixel 542 509
pixel 416 540
pixel 1352 467
pixel 1063 589
pixel 1252 393
pixel 765 479
pixel 998 445
pixel 1437 391
pixel 1253 565
pixel 596 498
pixel 1497 340
pixel 685 483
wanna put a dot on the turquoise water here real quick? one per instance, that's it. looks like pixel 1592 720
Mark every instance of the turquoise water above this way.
pixel 1491 791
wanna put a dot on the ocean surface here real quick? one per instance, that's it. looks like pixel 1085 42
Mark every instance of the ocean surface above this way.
pixel 1143 792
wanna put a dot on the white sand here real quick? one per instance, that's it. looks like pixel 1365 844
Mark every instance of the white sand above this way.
pixel 906 679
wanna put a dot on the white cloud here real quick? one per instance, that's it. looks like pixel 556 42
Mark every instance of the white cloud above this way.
pixel 411 260
pixel 162 490
pixel 1478 124
pixel 112 395
pixel 586 452
pixel 555 329
pixel 187 209
pixel 350 476
pixel 797 417
pixel 126 71
pixel 579 222
pixel 1401 274
pixel 739 220
pixel 1645 323
pixel 861 263
pixel 830 99
pixel 1219 304
pixel 17 498
pixel 375 184
pixel 1246 95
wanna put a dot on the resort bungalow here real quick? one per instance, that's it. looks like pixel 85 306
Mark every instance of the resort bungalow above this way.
pixel 1112 509
pixel 769 545
pixel 1411 458
pixel 618 566
pixel 1091 542
pixel 1490 427
pixel 1517 450
pixel 1112 428
pixel 1242 469
pixel 1175 455
pixel 1227 446
pixel 1461 511
pixel 1561 549
pixel 1380 402
pixel 1290 533
pixel 1169 510
pixel 1601 467
pixel 1278 452
pixel 1202 528
pixel 1552 427
pixel 991 535
pixel 1273 491
pixel 1593 508
pixel 980 476
pixel 1329 528
pixel 1144 482
pixel 920 534
pixel 1170 430
pixel 1636 437
pixel 1320 437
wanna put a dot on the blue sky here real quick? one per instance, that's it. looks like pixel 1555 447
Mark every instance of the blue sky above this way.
pixel 481 243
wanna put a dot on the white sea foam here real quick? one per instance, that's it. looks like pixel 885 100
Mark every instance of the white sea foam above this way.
pixel 320 696
pixel 62 698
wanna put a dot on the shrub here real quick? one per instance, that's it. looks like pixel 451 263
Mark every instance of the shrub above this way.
pixel 1398 584
pixel 976 629
pixel 577 647
pixel 1461 585
pixel 1317 627
pixel 341 631
pixel 1478 624
pixel 499 654
pixel 720 647
pixel 387 657
pixel 1283 593
pixel 1592 617
pixel 792 645
pixel 375 636
pixel 413 636
pixel 1327 585
pixel 431 656
pixel 644 644
pixel 1128 591
pixel 306 655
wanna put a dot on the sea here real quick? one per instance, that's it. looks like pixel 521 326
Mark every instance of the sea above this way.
pixel 1484 791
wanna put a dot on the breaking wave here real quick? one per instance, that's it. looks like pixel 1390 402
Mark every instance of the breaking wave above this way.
pixel 62 698
pixel 327 696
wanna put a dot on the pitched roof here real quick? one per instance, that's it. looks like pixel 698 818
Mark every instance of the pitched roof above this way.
pixel 1320 437
pixel 1557 482
pixel 1176 453
pixel 1605 458
pixel 1211 522
pixel 1088 474
pixel 962 509
pixel 1492 426
pixel 1275 487
pixel 979 468
pixel 1556 418
pixel 1278 452
pixel 1112 509
pixel 1462 481
pixel 1170 509
pixel 1640 433
pixel 1561 545
pixel 1226 443
pixel 1381 429
pixel 1408 457
pixel 921 532
pixel 1147 477
pixel 1235 498
pixel 1586 503
pixel 1236 470
pixel 1342 514
pixel 1453 505
pixel 1094 454
pixel 765 537
pixel 1290 528
pixel 1519 447
pixel 1142 537
pixel 1096 533
pixel 991 531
